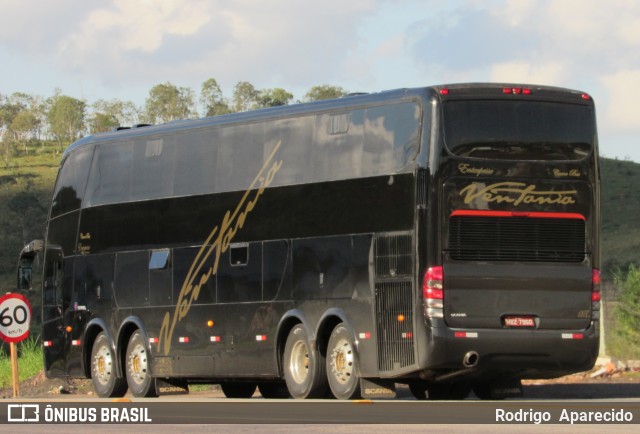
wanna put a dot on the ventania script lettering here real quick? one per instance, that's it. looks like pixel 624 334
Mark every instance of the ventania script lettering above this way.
pixel 515 193
pixel 207 260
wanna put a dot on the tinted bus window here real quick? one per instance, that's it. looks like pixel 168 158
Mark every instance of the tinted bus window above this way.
pixel 195 163
pixel 152 175
pixel 519 130
pixel 71 182
pixel 111 174
pixel 391 137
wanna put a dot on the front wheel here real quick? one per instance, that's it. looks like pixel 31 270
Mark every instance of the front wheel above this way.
pixel 342 369
pixel 138 365
pixel 274 390
pixel 304 370
pixel 104 374
pixel 423 390
pixel 238 390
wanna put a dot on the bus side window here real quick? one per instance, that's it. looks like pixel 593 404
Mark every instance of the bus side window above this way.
pixel 53 284
pixel 58 277
pixel 239 254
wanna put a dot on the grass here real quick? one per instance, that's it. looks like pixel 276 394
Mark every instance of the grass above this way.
pixel 29 362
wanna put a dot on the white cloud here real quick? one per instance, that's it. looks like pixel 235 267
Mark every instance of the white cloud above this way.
pixel 589 45
pixel 279 42
pixel 526 72
pixel 623 91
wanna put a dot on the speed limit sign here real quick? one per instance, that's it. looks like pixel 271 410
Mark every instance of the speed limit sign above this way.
pixel 15 317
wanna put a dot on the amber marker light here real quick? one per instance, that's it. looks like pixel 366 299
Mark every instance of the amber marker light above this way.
pixel 68 329
pixel 210 323
pixel 400 318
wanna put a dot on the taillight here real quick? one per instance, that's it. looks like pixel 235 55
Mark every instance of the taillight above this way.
pixel 433 293
pixel 516 91
pixel 596 283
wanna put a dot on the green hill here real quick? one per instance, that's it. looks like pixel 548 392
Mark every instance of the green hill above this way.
pixel 620 214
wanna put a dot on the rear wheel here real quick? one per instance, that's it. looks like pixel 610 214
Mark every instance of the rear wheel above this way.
pixel 138 364
pixel 342 364
pixel 104 374
pixel 238 390
pixel 304 370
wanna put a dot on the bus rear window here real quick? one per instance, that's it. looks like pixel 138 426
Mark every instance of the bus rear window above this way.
pixel 518 130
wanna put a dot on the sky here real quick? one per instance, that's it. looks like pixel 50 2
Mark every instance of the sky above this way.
pixel 106 49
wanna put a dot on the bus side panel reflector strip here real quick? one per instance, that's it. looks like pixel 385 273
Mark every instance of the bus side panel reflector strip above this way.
pixel 153 340
pixel 261 338
pixel 75 342
pixel 215 339
pixel 572 336
pixel 472 335
pixel 183 339
pixel 47 343
pixel 366 335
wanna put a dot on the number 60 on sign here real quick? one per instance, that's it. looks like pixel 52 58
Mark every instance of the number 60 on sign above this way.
pixel 15 317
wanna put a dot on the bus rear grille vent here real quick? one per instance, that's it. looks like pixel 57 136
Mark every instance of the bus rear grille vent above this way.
pixel 421 200
pixel 394 325
pixel 393 255
pixel 479 238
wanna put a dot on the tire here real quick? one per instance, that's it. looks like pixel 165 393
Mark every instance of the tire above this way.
pixel 482 391
pixel 342 364
pixel 104 373
pixel 418 389
pixel 138 367
pixel 274 390
pixel 238 390
pixel 304 367
pixel 423 390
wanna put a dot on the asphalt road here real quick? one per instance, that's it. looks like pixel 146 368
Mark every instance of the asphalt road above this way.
pixel 208 412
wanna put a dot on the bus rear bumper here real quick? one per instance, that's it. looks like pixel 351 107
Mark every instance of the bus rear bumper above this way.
pixel 509 353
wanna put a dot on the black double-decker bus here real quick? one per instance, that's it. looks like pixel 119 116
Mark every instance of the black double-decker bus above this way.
pixel 444 237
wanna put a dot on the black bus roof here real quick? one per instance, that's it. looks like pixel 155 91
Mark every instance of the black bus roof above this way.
pixel 445 92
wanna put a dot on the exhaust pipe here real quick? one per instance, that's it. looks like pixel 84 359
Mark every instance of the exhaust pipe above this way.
pixel 471 359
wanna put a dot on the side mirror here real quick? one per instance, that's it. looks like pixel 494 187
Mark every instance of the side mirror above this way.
pixel 25 264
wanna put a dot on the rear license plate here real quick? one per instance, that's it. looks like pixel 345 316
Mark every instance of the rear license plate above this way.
pixel 519 321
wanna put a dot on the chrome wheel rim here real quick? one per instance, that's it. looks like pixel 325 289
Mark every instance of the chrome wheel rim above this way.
pixel 137 364
pixel 299 362
pixel 102 364
pixel 342 361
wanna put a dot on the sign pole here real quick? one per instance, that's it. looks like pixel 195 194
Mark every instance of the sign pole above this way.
pixel 14 369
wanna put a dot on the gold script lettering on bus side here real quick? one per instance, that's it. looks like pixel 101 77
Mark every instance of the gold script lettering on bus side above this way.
pixel 215 245
pixel 468 169
pixel 515 193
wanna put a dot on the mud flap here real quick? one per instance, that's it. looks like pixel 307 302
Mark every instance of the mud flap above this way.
pixel 171 386
pixel 374 388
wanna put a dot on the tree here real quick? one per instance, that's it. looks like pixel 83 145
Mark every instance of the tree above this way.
pixel 115 113
pixel 66 118
pixel 627 312
pixel 324 91
pixel 24 125
pixel 102 122
pixel 8 112
pixel 167 102
pixel 273 97
pixel 245 96
pixel 212 100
